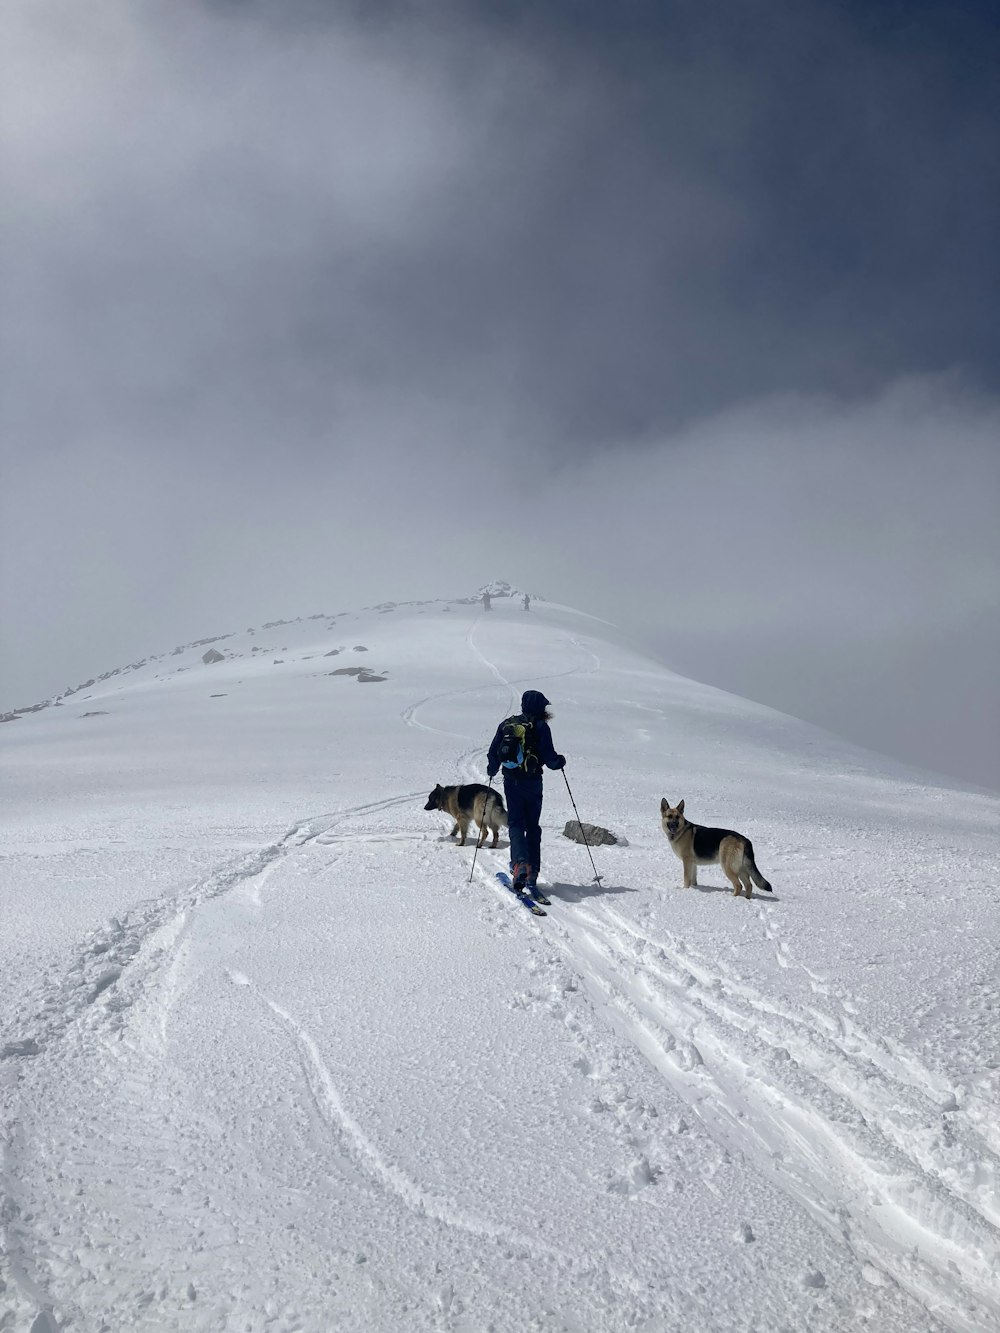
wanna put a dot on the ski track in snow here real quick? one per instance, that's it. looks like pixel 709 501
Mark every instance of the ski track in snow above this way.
pixel 332 1109
pixel 855 1129
pixel 105 954
pixel 367 1155
pixel 465 761
pixel 863 1138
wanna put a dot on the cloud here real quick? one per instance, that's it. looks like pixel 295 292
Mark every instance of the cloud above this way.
pixel 676 321
pixel 837 560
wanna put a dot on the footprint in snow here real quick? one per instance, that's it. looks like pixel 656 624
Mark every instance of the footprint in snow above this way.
pixel 639 1175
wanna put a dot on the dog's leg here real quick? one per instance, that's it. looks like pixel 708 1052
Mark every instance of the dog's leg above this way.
pixel 463 825
pixel 690 875
pixel 453 831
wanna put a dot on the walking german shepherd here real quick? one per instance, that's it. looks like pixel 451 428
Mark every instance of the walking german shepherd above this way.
pixel 473 801
pixel 700 846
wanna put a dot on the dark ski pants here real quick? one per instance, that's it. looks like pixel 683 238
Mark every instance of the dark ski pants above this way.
pixel 524 812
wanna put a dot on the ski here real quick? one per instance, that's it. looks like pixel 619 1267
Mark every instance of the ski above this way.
pixel 525 898
pixel 536 893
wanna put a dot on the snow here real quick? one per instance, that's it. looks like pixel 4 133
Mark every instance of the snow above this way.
pixel 269 1061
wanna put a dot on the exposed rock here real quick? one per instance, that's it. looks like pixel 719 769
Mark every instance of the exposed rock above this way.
pixel 97 712
pixel 23 1046
pixel 592 834
pixel 334 652
pixel 360 648
pixel 368 678
pixel 346 671
pixel 213 655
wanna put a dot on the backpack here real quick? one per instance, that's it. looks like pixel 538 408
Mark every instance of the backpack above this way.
pixel 518 748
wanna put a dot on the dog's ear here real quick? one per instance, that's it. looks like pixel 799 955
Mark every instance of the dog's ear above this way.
pixel 680 807
pixel 664 806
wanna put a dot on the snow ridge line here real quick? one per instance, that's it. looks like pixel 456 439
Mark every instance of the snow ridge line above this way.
pixel 902 1180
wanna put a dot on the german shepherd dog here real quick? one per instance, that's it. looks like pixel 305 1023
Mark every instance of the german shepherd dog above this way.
pixel 700 846
pixel 464 804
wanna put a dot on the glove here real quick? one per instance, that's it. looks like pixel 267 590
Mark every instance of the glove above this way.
pixel 560 761
pixel 491 772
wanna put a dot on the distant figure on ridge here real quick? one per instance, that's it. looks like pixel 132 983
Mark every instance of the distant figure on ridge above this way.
pixel 522 746
pixel 486 601
pixel 527 602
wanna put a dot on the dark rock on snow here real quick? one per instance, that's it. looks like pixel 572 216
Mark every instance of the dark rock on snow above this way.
pixel 595 835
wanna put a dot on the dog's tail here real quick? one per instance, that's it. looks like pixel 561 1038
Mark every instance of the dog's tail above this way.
pixel 751 865
pixel 495 810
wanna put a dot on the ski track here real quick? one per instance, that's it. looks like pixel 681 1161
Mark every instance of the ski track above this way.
pixel 469 761
pixel 571 1267
pixel 357 1144
pixel 860 1134
pixel 113 969
pixel 105 954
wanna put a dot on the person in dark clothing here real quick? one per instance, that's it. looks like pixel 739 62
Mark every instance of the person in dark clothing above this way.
pixel 522 781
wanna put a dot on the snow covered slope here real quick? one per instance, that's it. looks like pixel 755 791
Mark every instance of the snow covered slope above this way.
pixel 269 1061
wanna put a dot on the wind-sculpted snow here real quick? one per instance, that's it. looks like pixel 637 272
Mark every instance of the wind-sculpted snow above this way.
pixel 270 1061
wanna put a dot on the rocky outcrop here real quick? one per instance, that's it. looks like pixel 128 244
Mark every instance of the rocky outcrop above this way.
pixel 592 834
pixel 213 655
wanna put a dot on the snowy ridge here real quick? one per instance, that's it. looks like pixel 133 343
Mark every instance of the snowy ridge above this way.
pixel 327 1082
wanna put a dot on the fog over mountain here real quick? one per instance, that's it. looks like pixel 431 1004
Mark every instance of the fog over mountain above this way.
pixel 681 315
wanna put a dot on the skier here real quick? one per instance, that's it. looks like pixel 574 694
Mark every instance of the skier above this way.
pixel 486 601
pixel 522 746
pixel 527 602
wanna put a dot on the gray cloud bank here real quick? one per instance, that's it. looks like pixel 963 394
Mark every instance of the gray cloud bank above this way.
pixel 316 305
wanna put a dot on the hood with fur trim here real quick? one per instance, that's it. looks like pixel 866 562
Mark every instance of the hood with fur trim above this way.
pixel 533 703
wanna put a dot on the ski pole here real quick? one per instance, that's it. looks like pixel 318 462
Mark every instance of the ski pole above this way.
pixel 482 835
pixel 597 878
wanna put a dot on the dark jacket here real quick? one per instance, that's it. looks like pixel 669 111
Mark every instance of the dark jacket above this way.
pixel 533 704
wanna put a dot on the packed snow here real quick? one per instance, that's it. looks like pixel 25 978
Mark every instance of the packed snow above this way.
pixel 269 1060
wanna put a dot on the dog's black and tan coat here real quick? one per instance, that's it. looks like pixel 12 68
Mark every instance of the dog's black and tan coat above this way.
pixel 472 801
pixel 697 846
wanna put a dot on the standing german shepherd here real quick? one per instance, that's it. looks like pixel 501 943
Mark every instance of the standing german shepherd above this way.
pixel 700 846
pixel 473 801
